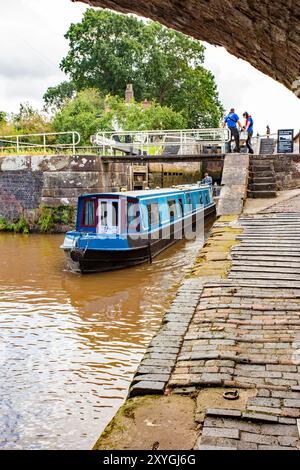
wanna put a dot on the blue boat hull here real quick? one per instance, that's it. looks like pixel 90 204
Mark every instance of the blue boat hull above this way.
pixel 139 251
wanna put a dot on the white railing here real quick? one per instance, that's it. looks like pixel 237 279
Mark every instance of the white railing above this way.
pixel 158 142
pixel 48 140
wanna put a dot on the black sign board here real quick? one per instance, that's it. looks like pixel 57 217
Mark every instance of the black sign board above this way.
pixel 285 141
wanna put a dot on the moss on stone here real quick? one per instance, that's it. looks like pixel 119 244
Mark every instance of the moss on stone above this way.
pixel 214 258
pixel 143 421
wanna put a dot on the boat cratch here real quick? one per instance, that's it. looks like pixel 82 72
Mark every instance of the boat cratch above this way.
pixel 120 229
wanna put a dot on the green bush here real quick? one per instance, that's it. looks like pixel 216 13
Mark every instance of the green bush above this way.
pixel 51 216
pixel 47 220
pixel 22 226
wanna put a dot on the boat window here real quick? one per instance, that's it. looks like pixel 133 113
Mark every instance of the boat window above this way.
pixel 189 205
pixel 181 207
pixel 89 213
pixel 133 217
pixel 103 213
pixel 153 214
pixel 207 198
pixel 115 214
pixel 201 198
pixel 172 209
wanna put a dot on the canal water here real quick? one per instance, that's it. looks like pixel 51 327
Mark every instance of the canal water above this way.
pixel 69 344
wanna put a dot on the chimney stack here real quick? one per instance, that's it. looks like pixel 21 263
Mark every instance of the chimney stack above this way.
pixel 129 95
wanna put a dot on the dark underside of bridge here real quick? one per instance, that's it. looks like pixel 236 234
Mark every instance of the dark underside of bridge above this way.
pixel 265 33
pixel 163 158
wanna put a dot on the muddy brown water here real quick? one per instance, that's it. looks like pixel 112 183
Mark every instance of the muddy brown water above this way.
pixel 69 344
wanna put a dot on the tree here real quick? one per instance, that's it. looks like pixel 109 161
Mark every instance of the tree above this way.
pixel 56 96
pixel 2 118
pixel 80 114
pixel 30 121
pixel 109 50
pixel 90 112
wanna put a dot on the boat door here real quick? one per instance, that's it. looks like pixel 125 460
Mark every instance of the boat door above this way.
pixel 108 216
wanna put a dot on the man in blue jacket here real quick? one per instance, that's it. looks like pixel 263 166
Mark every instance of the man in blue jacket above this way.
pixel 232 120
pixel 249 129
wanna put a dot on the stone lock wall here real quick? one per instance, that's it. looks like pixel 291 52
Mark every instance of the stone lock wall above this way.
pixel 26 182
pixel 166 175
pixel 19 191
pixel 287 170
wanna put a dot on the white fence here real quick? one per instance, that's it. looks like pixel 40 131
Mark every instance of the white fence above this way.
pixel 45 141
pixel 170 142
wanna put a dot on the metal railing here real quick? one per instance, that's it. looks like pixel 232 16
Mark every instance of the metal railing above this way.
pixel 45 141
pixel 159 142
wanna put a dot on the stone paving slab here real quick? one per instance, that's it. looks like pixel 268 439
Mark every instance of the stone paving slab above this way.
pixel 237 331
pixel 245 333
pixel 155 369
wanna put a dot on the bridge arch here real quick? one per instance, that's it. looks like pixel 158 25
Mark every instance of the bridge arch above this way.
pixel 265 33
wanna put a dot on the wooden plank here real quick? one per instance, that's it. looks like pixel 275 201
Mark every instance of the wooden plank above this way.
pixel 295 240
pixel 273 246
pixel 272 230
pixel 265 269
pixel 258 275
pixel 270 252
pixel 262 248
pixel 266 263
pixel 255 258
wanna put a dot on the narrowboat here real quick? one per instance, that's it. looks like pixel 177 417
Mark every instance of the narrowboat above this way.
pixel 121 229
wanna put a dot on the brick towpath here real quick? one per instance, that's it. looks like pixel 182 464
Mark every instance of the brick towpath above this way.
pixel 237 331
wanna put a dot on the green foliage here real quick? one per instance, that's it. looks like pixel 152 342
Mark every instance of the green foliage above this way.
pixel 55 97
pixel 106 52
pixel 80 114
pixel 134 116
pixel 2 118
pixel 22 226
pixel 109 50
pixel 49 217
pixel 46 220
pixel 89 112
pixel 27 121
pixel 30 121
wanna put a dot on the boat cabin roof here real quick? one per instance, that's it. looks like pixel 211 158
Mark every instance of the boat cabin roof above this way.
pixel 144 194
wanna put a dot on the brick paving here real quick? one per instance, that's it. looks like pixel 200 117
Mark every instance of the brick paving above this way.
pixel 291 205
pixel 242 333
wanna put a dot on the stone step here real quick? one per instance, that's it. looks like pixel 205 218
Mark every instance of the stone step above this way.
pixel 267 146
pixel 263 174
pixel 260 161
pixel 261 194
pixel 262 186
pixel 263 179
pixel 260 168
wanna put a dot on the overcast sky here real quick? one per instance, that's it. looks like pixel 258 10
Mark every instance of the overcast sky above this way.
pixel 33 44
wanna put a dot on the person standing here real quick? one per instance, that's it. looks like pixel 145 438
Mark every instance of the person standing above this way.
pixel 232 120
pixel 249 129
